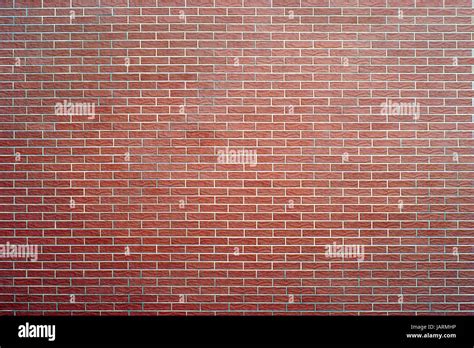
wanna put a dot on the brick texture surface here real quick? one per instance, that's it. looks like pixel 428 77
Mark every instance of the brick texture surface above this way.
pixel 236 157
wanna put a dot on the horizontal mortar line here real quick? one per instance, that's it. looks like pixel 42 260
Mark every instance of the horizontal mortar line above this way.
pixel 277 305
pixel 300 286
pixel 237 294
pixel 199 57
pixel 204 303
pixel 252 270
pixel 263 269
pixel 346 45
pixel 244 246
pixel 283 229
pixel 266 286
pixel 257 7
pixel 215 213
pixel 447 247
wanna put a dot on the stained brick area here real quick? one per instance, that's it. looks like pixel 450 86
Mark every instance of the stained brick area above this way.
pixel 236 157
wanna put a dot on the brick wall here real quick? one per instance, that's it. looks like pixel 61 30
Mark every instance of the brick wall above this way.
pixel 236 157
